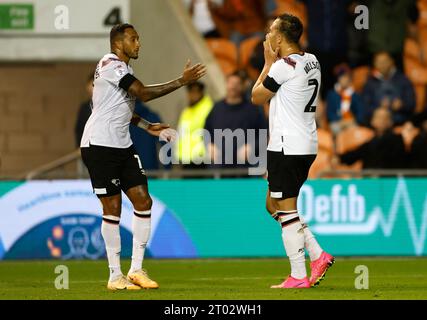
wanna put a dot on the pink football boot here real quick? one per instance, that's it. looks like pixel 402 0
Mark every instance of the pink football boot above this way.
pixel 319 267
pixel 291 282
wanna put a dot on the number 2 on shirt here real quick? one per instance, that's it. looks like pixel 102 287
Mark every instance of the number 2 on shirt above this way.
pixel 309 107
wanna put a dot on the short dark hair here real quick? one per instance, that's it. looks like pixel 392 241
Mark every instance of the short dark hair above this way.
pixel 197 84
pixel 119 30
pixel 291 27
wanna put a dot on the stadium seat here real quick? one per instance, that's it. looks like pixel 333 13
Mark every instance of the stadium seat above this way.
pixel 246 49
pixel 352 138
pixel 321 120
pixel 360 76
pixel 422 9
pixel 322 162
pixel 416 71
pixel 326 142
pixel 398 129
pixel 324 154
pixel 420 93
pixel 225 53
pixel 411 49
pixel 348 140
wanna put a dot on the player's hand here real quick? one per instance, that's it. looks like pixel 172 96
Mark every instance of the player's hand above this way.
pixel 163 131
pixel 155 128
pixel 270 55
pixel 192 73
pixel 168 135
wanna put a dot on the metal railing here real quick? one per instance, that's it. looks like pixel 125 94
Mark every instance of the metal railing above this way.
pixel 331 173
pixel 39 171
pixel 47 171
pixel 50 171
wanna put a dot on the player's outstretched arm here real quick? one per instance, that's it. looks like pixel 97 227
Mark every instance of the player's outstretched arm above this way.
pixel 150 92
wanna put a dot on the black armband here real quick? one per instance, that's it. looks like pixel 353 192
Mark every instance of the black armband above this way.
pixel 271 84
pixel 126 81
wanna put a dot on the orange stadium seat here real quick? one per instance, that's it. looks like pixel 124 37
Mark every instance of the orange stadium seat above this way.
pixel 294 7
pixel 225 53
pixel 326 142
pixel 352 138
pixel 422 8
pixel 321 119
pixel 398 129
pixel 420 95
pixel 411 49
pixel 349 139
pixel 423 39
pixel 322 162
pixel 246 49
pixel 324 154
pixel 416 71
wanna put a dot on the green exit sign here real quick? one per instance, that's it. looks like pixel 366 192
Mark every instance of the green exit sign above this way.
pixel 16 16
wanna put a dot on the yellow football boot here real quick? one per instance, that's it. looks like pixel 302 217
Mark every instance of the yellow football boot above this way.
pixel 141 279
pixel 122 283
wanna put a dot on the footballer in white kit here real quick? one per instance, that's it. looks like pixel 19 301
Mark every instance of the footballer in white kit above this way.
pixel 112 161
pixel 291 80
pixel 106 145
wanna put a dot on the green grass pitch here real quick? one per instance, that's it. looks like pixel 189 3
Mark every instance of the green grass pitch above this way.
pixel 389 278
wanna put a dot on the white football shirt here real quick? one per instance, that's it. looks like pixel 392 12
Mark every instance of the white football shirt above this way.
pixel 292 124
pixel 112 108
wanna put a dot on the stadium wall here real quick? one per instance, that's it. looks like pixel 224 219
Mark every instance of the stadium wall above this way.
pixel 216 218
pixel 38 107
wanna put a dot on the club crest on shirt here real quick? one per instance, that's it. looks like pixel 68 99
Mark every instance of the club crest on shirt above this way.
pixel 120 71
pixel 116 182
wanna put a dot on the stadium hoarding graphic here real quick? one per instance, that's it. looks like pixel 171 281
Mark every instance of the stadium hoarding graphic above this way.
pixel 216 218
pixel 227 218
pixel 62 219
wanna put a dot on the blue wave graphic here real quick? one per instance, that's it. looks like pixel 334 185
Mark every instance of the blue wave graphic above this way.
pixel 171 240
pixel 1 249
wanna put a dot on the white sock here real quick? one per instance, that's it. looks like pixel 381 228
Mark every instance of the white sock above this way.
pixel 141 228
pixel 110 231
pixel 293 240
pixel 311 244
pixel 313 248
